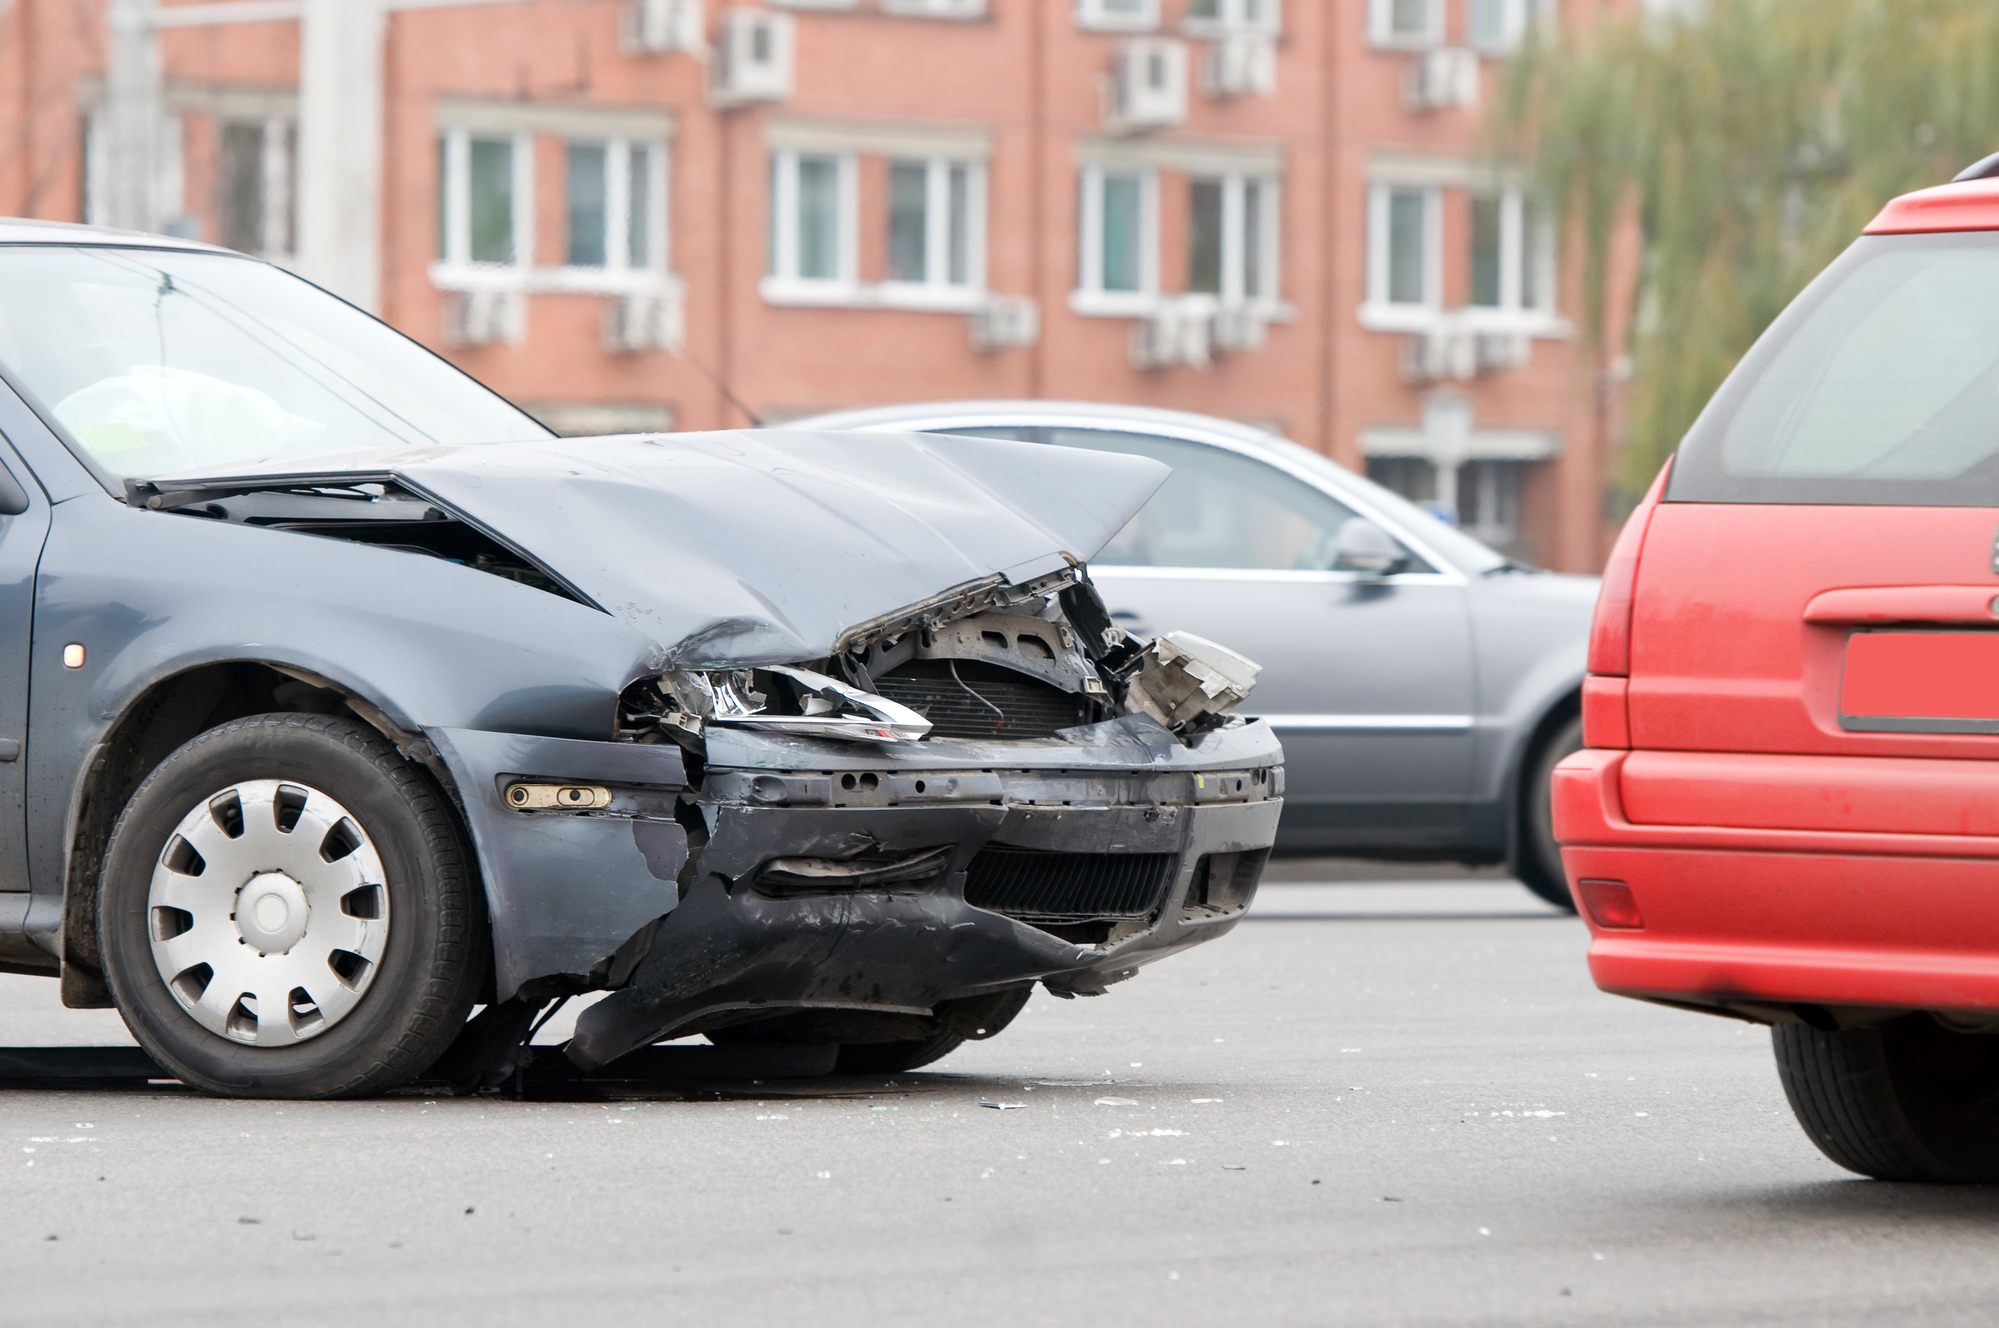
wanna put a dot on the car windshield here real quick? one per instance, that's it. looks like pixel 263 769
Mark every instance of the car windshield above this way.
pixel 159 361
pixel 1875 387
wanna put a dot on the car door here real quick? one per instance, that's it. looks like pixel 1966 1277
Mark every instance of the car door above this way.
pixel 24 524
pixel 1368 680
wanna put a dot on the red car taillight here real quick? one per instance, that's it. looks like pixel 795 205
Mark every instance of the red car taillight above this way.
pixel 1610 630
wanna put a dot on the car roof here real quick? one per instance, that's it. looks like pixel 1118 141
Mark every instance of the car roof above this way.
pixel 1441 546
pixel 1971 206
pixel 1040 411
pixel 29 230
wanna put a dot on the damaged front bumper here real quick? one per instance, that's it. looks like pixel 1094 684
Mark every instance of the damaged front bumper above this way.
pixel 897 883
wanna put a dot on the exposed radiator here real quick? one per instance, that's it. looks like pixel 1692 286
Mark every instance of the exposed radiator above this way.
pixel 983 700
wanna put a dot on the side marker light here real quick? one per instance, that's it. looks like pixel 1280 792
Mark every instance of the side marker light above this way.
pixel 72 656
pixel 1611 905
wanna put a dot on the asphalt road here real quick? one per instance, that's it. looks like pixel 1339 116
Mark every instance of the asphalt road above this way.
pixel 1372 1104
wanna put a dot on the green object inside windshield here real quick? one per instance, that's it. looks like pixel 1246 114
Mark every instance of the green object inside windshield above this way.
pixel 159 361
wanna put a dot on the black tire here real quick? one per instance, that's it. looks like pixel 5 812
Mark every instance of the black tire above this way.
pixel 895 1057
pixel 1907 1100
pixel 433 950
pixel 1540 857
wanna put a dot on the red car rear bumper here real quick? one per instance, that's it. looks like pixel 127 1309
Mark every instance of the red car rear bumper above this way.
pixel 1787 909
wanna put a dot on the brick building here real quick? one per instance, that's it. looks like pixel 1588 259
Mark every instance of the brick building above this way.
pixel 637 214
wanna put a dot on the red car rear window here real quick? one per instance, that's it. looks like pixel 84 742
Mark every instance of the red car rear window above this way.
pixel 1878 386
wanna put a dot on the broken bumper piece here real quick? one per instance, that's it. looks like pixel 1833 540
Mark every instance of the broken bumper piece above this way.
pixel 915 880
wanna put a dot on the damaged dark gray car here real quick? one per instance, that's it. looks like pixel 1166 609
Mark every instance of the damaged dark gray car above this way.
pixel 337 699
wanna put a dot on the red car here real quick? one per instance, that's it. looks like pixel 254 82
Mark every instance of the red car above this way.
pixel 1787 810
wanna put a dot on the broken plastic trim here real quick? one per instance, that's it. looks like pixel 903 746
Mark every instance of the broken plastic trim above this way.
pixel 814 875
pixel 1188 682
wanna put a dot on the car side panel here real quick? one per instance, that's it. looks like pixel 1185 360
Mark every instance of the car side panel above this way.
pixel 21 538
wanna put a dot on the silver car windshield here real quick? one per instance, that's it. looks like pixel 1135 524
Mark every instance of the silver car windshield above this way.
pixel 157 361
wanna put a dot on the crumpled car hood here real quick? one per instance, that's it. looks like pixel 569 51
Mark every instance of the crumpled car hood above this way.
pixel 761 547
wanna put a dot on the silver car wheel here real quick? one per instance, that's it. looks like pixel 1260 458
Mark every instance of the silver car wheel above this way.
pixel 268 913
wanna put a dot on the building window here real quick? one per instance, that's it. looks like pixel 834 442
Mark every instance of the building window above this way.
pixel 1235 15
pixel 1415 478
pixel 1120 233
pixel 1512 254
pixel 1498 25
pixel 1232 238
pixel 1117 15
pixel 1403 235
pixel 253 186
pixel 1488 501
pixel 614 198
pixel 486 199
pixel 935 208
pixel 1405 22
pixel 811 217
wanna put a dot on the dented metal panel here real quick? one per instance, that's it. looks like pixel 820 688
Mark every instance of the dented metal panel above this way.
pixel 563 888
pixel 766 547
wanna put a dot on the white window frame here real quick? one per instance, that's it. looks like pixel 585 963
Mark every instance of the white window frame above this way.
pixel 1517 17
pixel 1234 16
pixel 1519 231
pixel 1379 312
pixel 1235 248
pixel 275 169
pixel 1090 297
pixel 1092 15
pixel 618 270
pixel 455 270
pixel 936 287
pixel 1381 31
pixel 782 284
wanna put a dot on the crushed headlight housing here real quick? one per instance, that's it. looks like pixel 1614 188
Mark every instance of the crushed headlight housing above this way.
pixel 831 708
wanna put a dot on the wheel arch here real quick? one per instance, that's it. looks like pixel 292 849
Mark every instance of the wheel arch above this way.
pixel 152 725
pixel 1563 708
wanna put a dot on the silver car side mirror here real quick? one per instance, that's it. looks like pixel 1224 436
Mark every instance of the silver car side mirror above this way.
pixel 1363 547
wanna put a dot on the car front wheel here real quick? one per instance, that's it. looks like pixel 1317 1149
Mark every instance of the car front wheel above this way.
pixel 1540 856
pixel 1907 1100
pixel 286 910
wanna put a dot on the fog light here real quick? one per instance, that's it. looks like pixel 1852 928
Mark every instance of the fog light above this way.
pixel 1611 905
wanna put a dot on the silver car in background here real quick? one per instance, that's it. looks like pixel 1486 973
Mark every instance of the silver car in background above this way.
pixel 1424 685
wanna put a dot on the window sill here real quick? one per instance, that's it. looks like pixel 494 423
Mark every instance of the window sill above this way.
pixel 551 280
pixel 1397 45
pixel 1213 29
pixel 884 295
pixel 1422 318
pixel 1116 24
pixel 1110 304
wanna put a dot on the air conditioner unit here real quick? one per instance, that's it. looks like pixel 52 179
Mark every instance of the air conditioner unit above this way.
pixel 645 320
pixel 1440 79
pixel 653 27
pixel 1005 321
pixel 755 58
pixel 1240 327
pixel 1494 351
pixel 1148 85
pixel 1241 64
pixel 485 317
pixel 1456 353
pixel 1177 332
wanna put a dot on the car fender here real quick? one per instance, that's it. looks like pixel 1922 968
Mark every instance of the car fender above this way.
pixel 425 642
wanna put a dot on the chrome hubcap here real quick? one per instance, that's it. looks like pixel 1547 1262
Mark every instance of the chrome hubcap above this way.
pixel 268 913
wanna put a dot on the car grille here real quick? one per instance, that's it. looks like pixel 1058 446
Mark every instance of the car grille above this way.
pixel 983 700
pixel 1038 886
